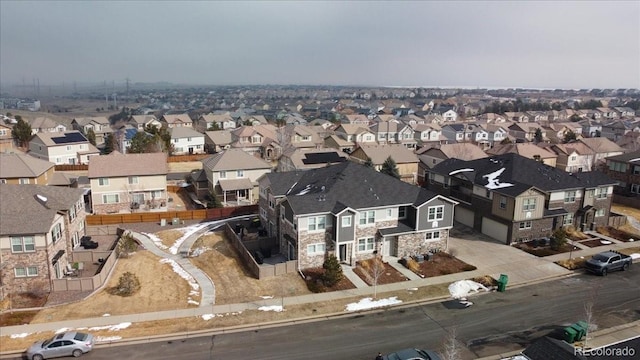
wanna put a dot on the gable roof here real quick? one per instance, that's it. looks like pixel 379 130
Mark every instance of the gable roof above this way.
pixel 601 145
pixel 234 159
pixel 20 202
pixel 62 138
pixel 577 147
pixel 399 153
pixel 220 137
pixel 525 149
pixel 462 151
pixel 174 118
pixel 117 165
pixel 332 188
pixel 42 122
pixel 182 132
pixel 16 165
pixel 630 157
pixel 82 121
pixel 510 173
pixel 143 119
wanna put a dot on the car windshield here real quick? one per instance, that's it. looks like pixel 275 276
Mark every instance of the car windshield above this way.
pixel 601 258
pixel 47 342
pixel 80 336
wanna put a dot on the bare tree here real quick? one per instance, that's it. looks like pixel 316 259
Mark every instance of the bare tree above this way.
pixel 451 349
pixel 588 313
pixel 377 269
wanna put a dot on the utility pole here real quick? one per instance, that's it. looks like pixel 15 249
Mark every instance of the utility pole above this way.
pixel 127 80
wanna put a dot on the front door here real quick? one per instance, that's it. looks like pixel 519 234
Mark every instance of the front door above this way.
pixel 343 253
pixel 386 246
pixel 190 151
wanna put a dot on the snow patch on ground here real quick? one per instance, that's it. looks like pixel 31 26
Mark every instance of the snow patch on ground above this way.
pixel 605 242
pixel 369 303
pixel 182 272
pixel 207 317
pixel 21 335
pixel 276 308
pixel 116 327
pixel 103 339
pixel 156 240
pixel 106 314
pixel 267 297
pixel 635 256
pixel 186 233
pixel 192 302
pixel 199 251
pixel 61 330
pixel 460 289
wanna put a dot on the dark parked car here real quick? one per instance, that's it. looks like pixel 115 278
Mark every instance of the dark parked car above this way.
pixel 70 343
pixel 412 354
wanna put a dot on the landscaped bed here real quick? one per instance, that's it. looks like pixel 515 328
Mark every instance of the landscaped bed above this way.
pixel 377 272
pixel 541 251
pixel 617 234
pixel 440 263
pixel 313 278
pixel 595 242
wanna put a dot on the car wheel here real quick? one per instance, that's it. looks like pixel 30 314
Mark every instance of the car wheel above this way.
pixel 37 357
pixel 604 272
pixel 76 353
pixel 625 267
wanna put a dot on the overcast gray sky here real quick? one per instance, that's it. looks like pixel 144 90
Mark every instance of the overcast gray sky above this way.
pixel 547 44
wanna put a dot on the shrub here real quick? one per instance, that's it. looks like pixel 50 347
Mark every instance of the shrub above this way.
pixel 559 239
pixel 413 265
pixel 126 246
pixel 332 271
pixel 128 284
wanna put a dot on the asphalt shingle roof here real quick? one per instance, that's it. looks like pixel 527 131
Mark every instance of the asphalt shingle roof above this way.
pixel 21 212
pixel 335 187
pixel 522 173
pixel 16 165
pixel 234 159
pixel 117 164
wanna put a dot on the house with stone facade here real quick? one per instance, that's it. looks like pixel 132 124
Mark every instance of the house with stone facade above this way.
pixel 516 199
pixel 124 183
pixel 37 251
pixel 353 212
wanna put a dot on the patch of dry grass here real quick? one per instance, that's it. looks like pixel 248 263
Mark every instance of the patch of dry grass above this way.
pixel 162 289
pixel 626 210
pixel 234 283
pixel 631 250
pixel 573 264
pixel 169 237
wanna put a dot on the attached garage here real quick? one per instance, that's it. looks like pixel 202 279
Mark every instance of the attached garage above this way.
pixel 495 229
pixel 463 216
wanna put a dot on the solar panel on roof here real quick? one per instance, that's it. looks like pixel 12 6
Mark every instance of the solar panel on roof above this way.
pixel 69 138
pixel 322 158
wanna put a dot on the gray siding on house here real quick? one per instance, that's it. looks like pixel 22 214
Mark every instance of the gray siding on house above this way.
pixel 423 215
pixel 345 233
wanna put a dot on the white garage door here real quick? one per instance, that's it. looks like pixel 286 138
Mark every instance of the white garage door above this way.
pixel 463 216
pixel 494 229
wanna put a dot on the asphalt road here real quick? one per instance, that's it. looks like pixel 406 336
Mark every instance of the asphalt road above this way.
pixel 497 322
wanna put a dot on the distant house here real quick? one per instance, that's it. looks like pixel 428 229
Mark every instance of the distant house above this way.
pixel 186 140
pixel 626 169
pixel 298 136
pixel 431 156
pixel 496 133
pixel 528 150
pixel 18 168
pixel 176 121
pixel 258 140
pixel 428 135
pixel 356 134
pixel 98 124
pixel 352 212
pixel 128 183
pixel 450 116
pixel 69 147
pixel 218 140
pixel 41 227
pixel 356 119
pixel 142 122
pixel 232 176
pixel 251 120
pixel 305 159
pixel 526 132
pixel 602 148
pixel 6 137
pixel 42 124
pixel 406 161
pixel 221 122
pixel 574 157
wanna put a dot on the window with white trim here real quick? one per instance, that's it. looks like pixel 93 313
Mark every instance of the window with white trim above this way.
pixel 524 225
pixel 366 244
pixel 315 249
pixel 346 220
pixel 240 173
pixel 72 213
pixel 103 181
pixel 503 202
pixel 367 217
pixel 570 196
pixel 434 235
pixel 600 212
pixel 56 233
pixel 20 244
pixel 24 181
pixel 28 271
pixel 568 220
pixel 316 223
pixel 223 174
pixel 110 198
pixel 529 204
pixel 435 213
pixel 133 180
pixel 635 188
pixel 402 212
pixel 389 213
pixel 601 193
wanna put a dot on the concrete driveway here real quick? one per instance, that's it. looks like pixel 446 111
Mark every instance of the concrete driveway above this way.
pixel 494 258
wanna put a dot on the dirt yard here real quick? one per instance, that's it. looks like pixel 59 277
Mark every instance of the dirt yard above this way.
pixel 169 237
pixel 441 264
pixel 234 283
pixel 375 271
pixel 162 289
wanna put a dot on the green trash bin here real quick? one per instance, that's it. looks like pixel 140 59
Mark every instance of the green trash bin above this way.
pixel 583 326
pixel 570 334
pixel 502 282
pixel 580 332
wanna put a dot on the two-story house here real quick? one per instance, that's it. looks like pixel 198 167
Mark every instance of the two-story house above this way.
pixel 602 149
pixel 573 157
pixel 41 225
pixel 98 124
pixel 69 147
pixel 18 168
pixel 305 159
pixel 515 199
pixel 124 183
pixel 430 156
pixel 176 120
pixel 406 160
pixel 232 176
pixel 208 122
pixel 259 140
pixel 143 122
pixel 185 140
pixel 626 169
pixel 45 124
pixel 353 212
pixel 528 150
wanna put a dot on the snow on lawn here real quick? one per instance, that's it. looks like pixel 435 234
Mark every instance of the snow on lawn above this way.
pixel 369 303
pixel 460 289
pixel 61 330
pixel 192 302
pixel 21 335
pixel 267 297
pixel 208 317
pixel 183 274
pixel 116 327
pixel 156 240
pixel 199 251
pixel 186 233
pixel 605 242
pixel 276 308
pixel 635 256
pixel 103 339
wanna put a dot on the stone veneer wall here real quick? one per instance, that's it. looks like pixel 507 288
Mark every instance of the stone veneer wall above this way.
pixel 413 244
pixel 14 284
pixel 539 228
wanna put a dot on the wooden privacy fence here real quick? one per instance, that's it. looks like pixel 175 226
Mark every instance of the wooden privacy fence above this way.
pixel 92 282
pixel 260 271
pixel 169 216
pixel 616 220
pixel 185 158
pixel 69 167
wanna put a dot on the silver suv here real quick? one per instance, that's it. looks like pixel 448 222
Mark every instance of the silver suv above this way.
pixel 70 343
